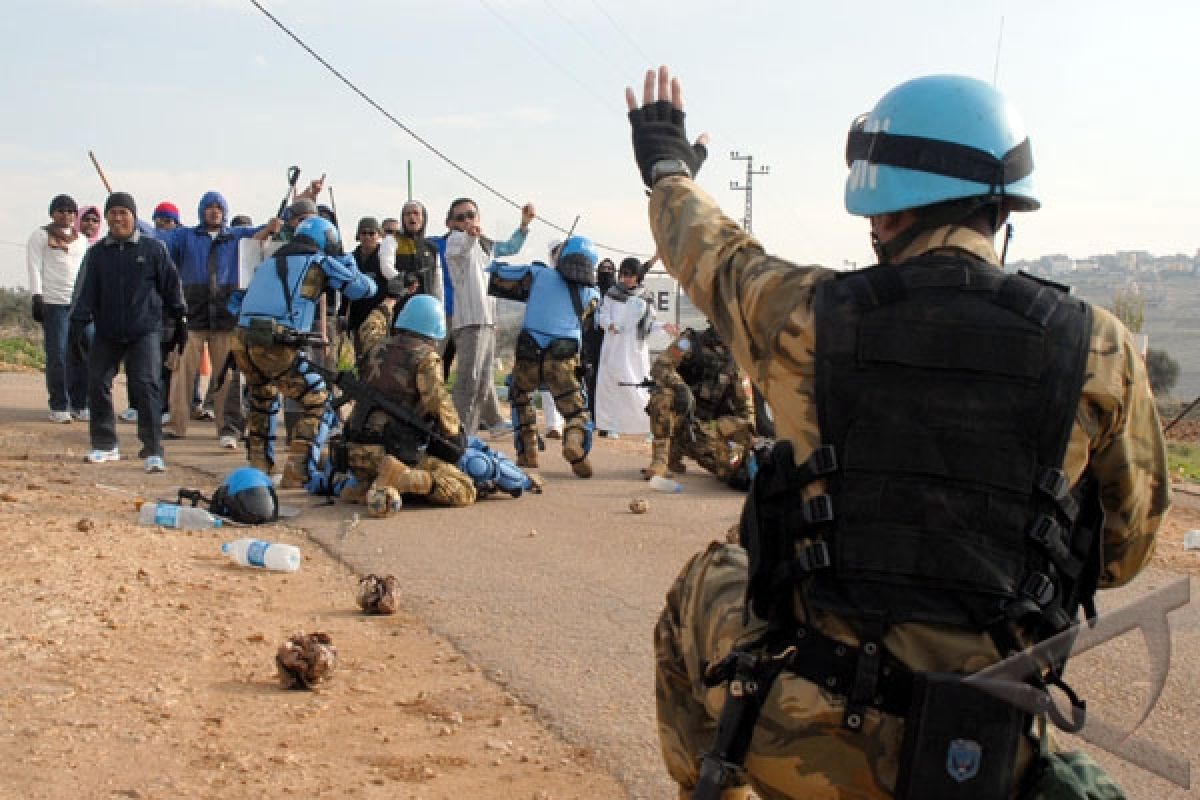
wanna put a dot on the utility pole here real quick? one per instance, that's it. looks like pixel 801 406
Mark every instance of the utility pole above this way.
pixel 749 187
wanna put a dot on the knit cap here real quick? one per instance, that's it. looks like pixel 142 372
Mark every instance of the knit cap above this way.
pixel 120 200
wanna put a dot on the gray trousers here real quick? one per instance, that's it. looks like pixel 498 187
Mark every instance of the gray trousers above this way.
pixel 476 346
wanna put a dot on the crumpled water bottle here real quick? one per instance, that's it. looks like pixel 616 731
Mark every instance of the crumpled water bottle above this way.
pixel 173 515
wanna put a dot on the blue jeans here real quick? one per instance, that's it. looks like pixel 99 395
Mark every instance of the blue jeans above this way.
pixel 66 368
pixel 142 370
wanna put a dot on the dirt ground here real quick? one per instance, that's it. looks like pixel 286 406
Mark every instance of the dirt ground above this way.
pixel 139 663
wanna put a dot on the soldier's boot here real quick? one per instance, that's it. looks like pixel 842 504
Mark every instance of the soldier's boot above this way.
pixel 295 471
pixel 382 501
pixel 397 475
pixel 575 452
pixel 528 457
pixel 737 793
pixel 658 459
pixel 355 495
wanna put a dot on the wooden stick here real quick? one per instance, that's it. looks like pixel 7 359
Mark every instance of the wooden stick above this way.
pixel 100 172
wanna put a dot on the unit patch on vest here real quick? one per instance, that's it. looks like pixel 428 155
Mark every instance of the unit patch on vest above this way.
pixel 963 758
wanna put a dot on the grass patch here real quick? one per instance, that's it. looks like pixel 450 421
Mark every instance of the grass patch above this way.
pixel 18 351
pixel 1184 461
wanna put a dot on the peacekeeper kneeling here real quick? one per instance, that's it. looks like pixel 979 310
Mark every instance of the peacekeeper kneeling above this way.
pixel 700 408
pixel 388 457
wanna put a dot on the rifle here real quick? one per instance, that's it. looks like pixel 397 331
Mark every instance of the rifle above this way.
pixel 293 175
pixel 1182 414
pixel 362 392
pixel 644 383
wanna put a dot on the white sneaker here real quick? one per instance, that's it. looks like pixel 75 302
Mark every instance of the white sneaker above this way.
pixel 128 415
pixel 165 418
pixel 100 456
pixel 228 442
pixel 61 417
pixel 156 464
pixel 83 416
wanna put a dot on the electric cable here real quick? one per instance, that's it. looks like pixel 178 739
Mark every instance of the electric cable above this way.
pixel 647 60
pixel 420 139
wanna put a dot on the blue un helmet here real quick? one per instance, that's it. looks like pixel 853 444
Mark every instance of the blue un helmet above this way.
pixel 246 495
pixel 577 260
pixel 322 233
pixel 935 139
pixel 422 314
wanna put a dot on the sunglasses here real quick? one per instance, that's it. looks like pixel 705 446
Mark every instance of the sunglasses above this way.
pixel 390 231
pixel 91 218
pixel 370 233
pixel 463 216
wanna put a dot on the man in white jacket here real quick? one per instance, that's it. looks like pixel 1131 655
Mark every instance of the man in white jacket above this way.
pixel 53 256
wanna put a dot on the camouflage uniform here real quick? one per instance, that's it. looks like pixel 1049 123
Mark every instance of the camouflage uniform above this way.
pixel 406 367
pixel 274 370
pixel 560 376
pixel 762 306
pixel 720 433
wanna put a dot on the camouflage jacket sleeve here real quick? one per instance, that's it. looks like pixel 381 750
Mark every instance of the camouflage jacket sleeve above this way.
pixel 435 400
pixel 761 305
pixel 374 329
pixel 665 369
pixel 1118 433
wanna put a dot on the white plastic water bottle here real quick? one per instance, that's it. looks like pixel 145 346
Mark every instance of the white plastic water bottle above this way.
pixel 660 484
pixel 266 555
pixel 173 515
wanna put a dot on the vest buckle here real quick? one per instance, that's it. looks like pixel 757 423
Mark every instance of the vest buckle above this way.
pixel 822 461
pixel 1038 588
pixel 818 509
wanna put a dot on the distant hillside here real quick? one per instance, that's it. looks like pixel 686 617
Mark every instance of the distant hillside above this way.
pixel 1172 318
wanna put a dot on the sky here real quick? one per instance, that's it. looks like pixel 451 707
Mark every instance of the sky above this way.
pixel 176 98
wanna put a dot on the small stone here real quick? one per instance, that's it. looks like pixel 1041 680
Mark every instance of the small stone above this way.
pixel 638 505
pixel 85 525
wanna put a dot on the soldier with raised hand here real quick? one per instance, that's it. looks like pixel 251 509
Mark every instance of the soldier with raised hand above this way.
pixel 964 456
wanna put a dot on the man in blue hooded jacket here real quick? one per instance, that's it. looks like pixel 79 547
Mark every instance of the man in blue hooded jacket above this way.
pixel 207 258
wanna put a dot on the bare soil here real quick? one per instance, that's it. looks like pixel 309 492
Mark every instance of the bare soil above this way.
pixel 139 663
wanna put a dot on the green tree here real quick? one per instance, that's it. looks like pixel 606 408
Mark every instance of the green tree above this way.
pixel 1129 305
pixel 1162 370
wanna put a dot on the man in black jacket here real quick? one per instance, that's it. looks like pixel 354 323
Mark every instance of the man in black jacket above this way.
pixel 130 282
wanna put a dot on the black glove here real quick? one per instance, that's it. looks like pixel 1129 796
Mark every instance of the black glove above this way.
pixel 179 340
pixel 685 401
pixel 39 315
pixel 658 135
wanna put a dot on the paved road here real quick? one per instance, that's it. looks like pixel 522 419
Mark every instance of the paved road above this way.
pixel 555 596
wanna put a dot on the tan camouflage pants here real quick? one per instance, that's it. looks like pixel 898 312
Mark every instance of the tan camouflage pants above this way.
pixel 451 486
pixel 559 377
pixel 800 748
pixel 272 372
pixel 716 445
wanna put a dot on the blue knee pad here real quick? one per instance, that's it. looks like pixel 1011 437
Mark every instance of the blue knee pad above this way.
pixel 318 480
pixel 491 471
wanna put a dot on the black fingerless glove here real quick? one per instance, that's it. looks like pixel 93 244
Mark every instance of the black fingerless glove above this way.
pixel 39 310
pixel 659 135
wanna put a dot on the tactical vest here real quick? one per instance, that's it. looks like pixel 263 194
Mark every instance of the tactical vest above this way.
pixel 946 393
pixel 391 368
pixel 285 288
pixel 712 375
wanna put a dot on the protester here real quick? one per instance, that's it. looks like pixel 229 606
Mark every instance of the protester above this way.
pixel 626 315
pixel 367 256
pixel 473 329
pixel 129 283
pixel 410 255
pixel 276 318
pixel 957 444
pixel 207 257
pixel 52 256
pixel 559 302
pixel 88 223
pixel 593 337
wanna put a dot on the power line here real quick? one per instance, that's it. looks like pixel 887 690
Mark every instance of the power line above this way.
pixel 646 59
pixel 520 34
pixel 420 140
pixel 605 58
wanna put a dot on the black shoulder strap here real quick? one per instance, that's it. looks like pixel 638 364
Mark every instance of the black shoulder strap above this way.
pixel 281 271
pixel 576 301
